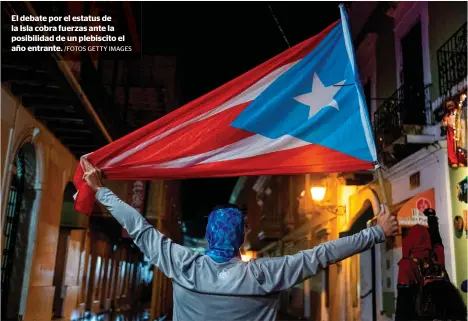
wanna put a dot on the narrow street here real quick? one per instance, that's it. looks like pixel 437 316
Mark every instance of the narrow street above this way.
pixel 241 130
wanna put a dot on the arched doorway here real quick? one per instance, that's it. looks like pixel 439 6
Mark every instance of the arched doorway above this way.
pixel 19 210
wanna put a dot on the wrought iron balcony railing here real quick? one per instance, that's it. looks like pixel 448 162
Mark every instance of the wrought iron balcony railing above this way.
pixel 408 105
pixel 451 60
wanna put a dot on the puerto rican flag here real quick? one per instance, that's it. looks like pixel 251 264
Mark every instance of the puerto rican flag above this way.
pixel 302 111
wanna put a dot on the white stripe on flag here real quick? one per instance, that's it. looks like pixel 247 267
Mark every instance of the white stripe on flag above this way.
pixel 247 95
pixel 248 147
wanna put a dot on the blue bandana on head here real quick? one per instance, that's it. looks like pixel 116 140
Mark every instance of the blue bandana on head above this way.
pixel 225 234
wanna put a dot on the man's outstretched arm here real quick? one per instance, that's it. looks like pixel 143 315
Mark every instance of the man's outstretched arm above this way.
pixel 168 256
pixel 284 272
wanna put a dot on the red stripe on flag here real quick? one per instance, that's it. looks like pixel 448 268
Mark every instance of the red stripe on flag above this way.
pixel 197 138
pixel 209 101
pixel 85 199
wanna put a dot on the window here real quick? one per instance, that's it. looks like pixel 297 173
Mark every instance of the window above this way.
pixel 17 220
pixel 368 93
pixel 11 227
pixel 413 76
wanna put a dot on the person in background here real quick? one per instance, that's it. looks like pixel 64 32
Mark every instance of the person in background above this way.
pixel 453 122
pixel 416 246
pixel 219 285
pixel 434 234
pixel 442 298
pixel 424 288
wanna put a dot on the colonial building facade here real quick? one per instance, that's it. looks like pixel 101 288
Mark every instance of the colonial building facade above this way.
pixel 412 57
pixel 412 61
pixel 57 263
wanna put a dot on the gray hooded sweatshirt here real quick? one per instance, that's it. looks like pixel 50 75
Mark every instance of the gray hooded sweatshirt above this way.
pixel 205 290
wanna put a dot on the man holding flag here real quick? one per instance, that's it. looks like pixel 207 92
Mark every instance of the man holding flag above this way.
pixel 219 285
pixel 300 112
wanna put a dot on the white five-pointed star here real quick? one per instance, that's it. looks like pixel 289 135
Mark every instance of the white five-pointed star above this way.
pixel 320 96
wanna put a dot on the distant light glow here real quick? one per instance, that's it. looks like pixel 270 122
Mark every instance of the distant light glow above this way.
pixel 246 258
pixel 318 193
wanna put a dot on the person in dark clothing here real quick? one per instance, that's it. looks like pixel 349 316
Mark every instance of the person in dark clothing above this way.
pixel 416 245
pixel 434 234
pixel 442 298
pixel 424 288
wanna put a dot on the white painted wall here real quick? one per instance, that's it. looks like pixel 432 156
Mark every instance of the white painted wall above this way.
pixel 433 166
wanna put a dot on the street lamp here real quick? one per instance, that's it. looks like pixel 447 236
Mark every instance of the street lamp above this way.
pixel 318 193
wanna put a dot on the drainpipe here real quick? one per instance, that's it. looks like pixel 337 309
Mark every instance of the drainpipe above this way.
pixel 307 313
pixel 322 234
pixel 63 66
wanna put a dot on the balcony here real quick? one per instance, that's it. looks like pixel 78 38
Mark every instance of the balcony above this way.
pixel 402 119
pixel 451 60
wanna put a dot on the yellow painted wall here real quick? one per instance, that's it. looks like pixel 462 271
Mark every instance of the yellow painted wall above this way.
pixel 350 277
pixel 460 240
